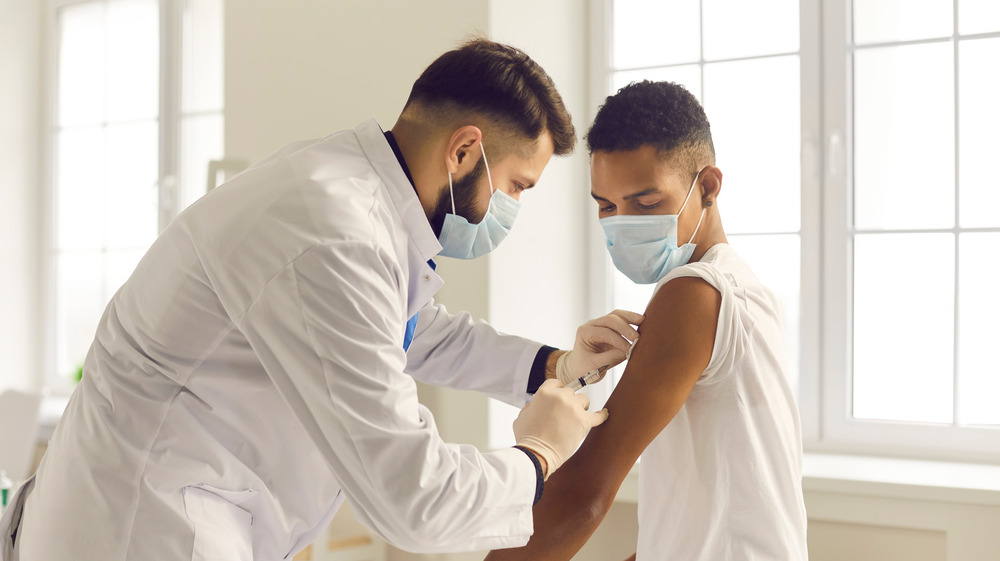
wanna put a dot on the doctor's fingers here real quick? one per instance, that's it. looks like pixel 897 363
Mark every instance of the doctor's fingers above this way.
pixel 583 400
pixel 631 317
pixel 615 323
pixel 594 419
pixel 602 337
pixel 611 358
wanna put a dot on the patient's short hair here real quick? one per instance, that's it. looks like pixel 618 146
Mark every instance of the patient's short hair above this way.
pixel 498 82
pixel 662 114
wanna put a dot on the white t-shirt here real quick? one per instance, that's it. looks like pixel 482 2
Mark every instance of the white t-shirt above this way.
pixel 723 480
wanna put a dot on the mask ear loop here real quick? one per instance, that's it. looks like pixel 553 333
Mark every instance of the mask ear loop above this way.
pixel 700 218
pixel 487 164
pixel 451 189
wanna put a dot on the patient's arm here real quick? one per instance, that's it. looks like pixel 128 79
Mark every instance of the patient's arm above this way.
pixel 675 346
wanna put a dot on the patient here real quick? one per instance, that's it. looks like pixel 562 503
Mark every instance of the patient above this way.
pixel 705 398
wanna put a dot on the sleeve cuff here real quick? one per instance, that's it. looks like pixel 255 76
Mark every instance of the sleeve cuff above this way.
pixel 536 377
pixel 540 477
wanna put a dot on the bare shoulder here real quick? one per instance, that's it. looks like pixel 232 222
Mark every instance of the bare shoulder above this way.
pixel 683 307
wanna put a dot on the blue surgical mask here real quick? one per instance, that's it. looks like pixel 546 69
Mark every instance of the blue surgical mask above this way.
pixel 644 248
pixel 462 240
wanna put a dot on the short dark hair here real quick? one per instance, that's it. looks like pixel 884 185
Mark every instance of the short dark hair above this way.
pixel 503 84
pixel 662 114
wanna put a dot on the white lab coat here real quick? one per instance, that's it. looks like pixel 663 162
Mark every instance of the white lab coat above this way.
pixel 250 375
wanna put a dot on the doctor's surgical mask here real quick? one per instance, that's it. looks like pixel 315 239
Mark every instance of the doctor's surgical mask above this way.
pixel 644 248
pixel 463 240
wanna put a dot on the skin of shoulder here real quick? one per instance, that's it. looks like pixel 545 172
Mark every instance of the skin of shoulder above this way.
pixel 674 348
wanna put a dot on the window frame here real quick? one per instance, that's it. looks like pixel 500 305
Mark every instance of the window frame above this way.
pixel 825 366
pixel 169 119
pixel 840 431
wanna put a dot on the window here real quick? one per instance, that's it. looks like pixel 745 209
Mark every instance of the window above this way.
pixel 137 115
pixel 857 186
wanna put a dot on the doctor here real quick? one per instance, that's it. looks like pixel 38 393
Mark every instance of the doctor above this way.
pixel 253 372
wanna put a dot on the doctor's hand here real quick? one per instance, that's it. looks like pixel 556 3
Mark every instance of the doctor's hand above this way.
pixel 605 341
pixel 554 423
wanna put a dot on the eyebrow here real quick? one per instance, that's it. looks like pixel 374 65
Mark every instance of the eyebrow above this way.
pixel 647 191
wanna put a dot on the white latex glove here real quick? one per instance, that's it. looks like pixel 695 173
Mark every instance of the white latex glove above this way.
pixel 604 341
pixel 554 423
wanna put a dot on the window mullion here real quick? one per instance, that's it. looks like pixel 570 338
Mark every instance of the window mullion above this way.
pixel 956 346
pixel 810 355
pixel 836 241
pixel 169 118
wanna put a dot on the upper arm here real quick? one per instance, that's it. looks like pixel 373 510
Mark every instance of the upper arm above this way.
pixel 675 346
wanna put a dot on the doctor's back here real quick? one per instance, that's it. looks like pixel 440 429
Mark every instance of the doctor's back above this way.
pixel 175 395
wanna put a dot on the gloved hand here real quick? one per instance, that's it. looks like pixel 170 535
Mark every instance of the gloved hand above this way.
pixel 554 423
pixel 605 341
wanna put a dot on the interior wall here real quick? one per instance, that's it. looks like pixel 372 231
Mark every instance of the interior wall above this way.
pixel 20 188
pixel 836 541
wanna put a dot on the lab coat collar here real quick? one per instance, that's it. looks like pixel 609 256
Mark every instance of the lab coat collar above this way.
pixel 380 154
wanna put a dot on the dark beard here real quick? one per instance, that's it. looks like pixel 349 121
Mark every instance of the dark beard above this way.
pixel 466 195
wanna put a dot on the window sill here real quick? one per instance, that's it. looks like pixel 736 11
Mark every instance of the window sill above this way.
pixel 950 482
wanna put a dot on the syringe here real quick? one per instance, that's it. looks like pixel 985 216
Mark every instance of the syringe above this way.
pixel 595 374
pixel 588 378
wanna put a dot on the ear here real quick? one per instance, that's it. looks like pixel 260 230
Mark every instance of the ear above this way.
pixel 462 143
pixel 710 183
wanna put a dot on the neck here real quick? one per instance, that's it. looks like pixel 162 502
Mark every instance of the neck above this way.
pixel 420 146
pixel 710 234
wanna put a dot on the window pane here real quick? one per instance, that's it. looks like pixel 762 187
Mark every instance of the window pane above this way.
pixel 131 200
pixel 979 331
pixel 904 134
pixel 776 262
pixel 737 28
pixel 688 76
pixel 79 305
pixel 201 141
pixel 654 33
pixel 133 59
pixel 757 135
pixel 202 64
pixel 81 64
pixel 877 21
pixel 978 16
pixel 904 327
pixel 79 191
pixel 979 129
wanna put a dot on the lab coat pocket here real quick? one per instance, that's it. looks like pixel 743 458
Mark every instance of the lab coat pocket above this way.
pixel 222 528
pixel 11 520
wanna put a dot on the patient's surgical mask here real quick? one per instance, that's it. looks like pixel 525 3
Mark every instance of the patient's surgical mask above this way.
pixel 644 247
pixel 462 240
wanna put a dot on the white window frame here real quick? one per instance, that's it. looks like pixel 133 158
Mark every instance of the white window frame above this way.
pixel 840 431
pixel 824 382
pixel 169 122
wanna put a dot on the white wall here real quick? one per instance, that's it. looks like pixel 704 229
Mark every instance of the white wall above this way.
pixel 20 61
